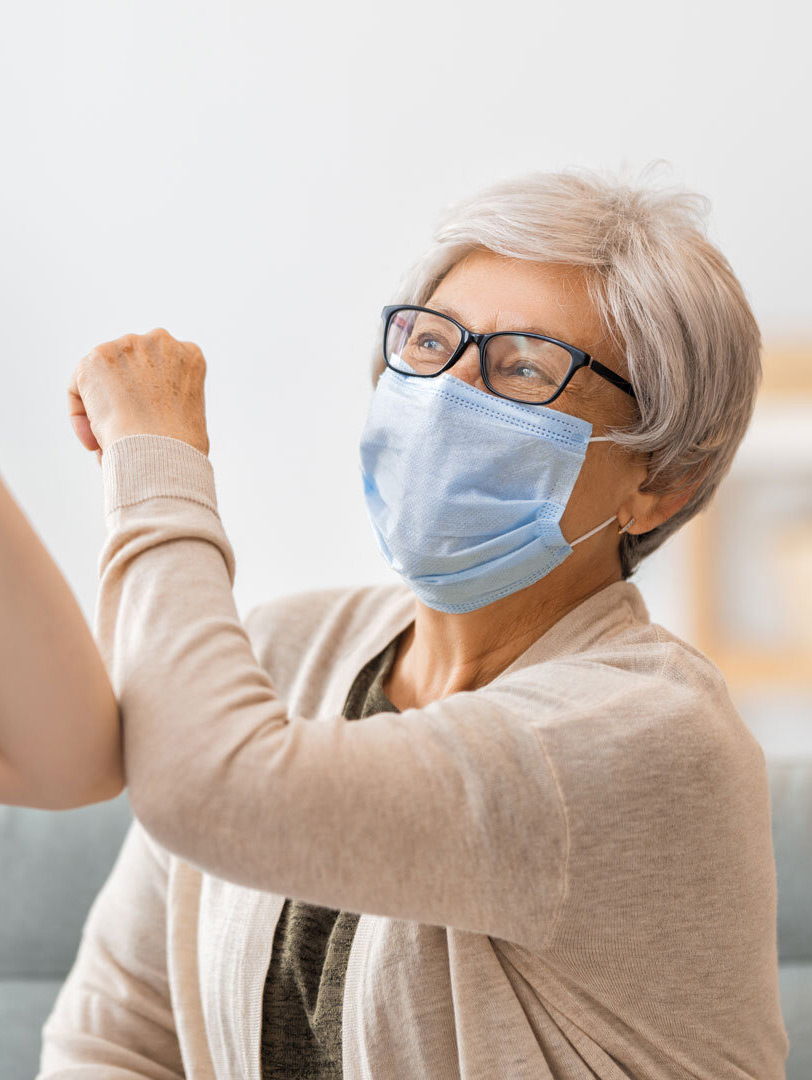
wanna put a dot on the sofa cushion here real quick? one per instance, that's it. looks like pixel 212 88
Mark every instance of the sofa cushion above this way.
pixel 54 863
pixel 796 1007
pixel 790 781
pixel 24 1005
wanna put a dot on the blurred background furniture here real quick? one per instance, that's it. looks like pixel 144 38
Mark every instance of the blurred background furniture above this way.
pixel 791 800
pixel 54 863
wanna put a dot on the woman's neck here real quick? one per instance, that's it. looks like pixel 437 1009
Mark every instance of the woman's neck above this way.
pixel 440 654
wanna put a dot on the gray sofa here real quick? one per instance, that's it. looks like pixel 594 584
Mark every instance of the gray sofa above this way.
pixel 53 864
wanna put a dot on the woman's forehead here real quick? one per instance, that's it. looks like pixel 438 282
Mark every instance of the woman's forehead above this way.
pixel 489 292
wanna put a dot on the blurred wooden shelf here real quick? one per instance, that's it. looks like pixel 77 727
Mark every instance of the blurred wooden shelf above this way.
pixel 787 376
pixel 787 369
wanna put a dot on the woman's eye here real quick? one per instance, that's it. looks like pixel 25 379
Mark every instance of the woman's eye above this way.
pixel 529 371
pixel 426 342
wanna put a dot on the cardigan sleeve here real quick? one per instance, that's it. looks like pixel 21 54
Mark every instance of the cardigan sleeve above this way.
pixel 112 1019
pixel 449 814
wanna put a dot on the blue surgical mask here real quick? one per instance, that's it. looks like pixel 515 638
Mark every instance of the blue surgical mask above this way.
pixel 465 490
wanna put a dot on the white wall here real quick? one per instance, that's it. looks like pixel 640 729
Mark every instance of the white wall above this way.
pixel 254 177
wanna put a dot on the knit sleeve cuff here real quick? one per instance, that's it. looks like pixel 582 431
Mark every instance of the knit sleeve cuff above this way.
pixel 139 467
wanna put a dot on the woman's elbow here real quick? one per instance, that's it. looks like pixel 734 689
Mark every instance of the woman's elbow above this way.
pixel 94 775
pixel 97 773
pixel 103 789
pixel 96 781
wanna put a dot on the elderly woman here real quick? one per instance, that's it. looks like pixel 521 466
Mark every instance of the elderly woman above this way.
pixel 488 820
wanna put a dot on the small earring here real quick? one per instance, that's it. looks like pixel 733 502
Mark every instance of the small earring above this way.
pixel 628 525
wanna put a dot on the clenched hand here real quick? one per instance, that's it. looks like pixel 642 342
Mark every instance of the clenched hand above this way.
pixel 139 384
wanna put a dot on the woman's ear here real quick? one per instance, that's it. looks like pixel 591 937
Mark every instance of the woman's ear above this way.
pixel 650 509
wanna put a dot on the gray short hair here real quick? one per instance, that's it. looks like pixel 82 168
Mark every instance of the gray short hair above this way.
pixel 666 295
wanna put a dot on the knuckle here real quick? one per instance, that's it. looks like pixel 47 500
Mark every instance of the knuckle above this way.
pixel 89 361
pixel 81 373
pixel 195 353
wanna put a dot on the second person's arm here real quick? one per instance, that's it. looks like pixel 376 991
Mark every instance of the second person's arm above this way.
pixel 60 739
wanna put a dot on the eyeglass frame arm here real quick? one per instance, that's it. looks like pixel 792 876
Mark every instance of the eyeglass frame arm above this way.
pixel 578 358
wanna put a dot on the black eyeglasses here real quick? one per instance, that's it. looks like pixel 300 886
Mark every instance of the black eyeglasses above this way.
pixel 529 368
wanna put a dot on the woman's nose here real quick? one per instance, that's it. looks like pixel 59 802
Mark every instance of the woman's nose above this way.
pixel 466 367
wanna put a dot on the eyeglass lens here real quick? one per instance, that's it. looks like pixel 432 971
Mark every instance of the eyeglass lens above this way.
pixel 520 367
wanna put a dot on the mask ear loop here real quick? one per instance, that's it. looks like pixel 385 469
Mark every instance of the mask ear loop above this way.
pixel 592 532
pixel 629 523
pixel 602 526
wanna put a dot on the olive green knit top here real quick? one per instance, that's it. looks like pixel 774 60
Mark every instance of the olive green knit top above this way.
pixel 304 988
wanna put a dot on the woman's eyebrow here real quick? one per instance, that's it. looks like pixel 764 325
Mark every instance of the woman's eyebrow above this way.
pixel 444 309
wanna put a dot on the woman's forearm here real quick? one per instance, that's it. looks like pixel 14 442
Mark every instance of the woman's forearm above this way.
pixel 60 738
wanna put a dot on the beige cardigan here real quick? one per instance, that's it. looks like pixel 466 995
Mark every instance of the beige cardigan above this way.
pixel 567 873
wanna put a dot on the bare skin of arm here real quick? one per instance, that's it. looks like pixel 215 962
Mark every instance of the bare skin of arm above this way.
pixel 60 735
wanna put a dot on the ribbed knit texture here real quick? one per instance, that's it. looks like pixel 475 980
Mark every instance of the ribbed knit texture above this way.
pixel 567 873
pixel 141 467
